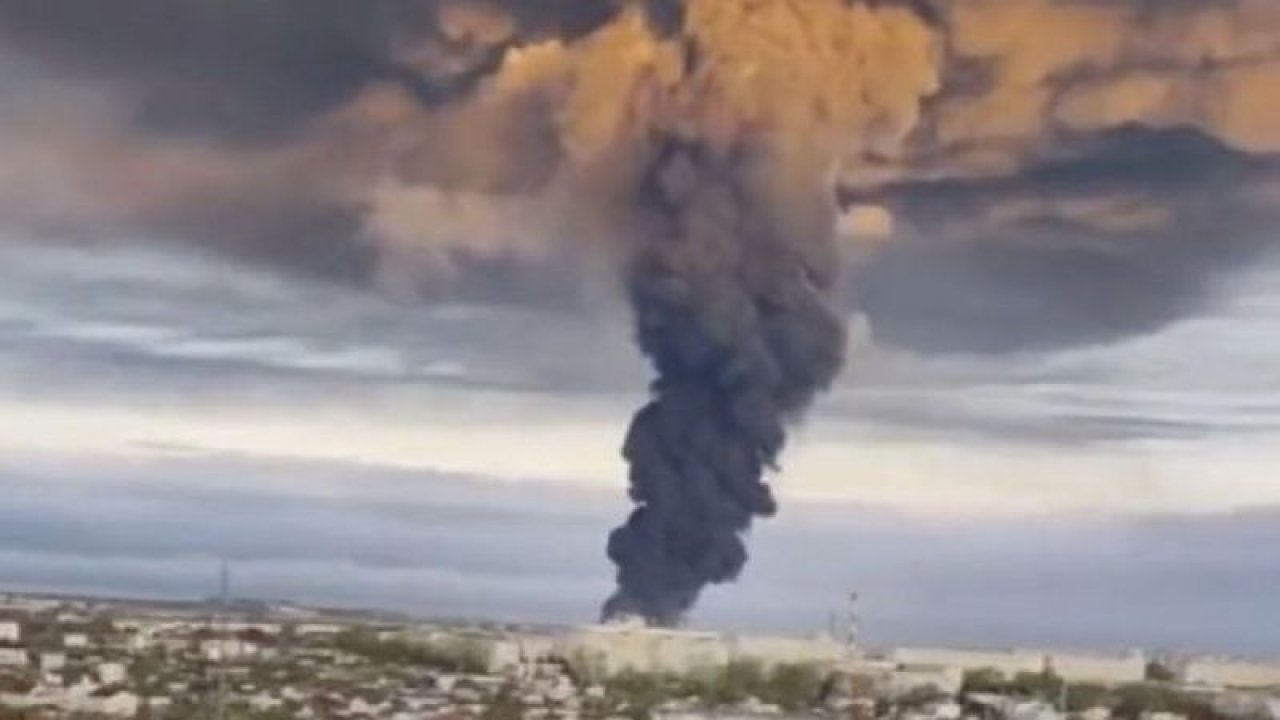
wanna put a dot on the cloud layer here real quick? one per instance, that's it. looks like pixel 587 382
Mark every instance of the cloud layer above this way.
pixel 134 353
pixel 432 544
pixel 1106 160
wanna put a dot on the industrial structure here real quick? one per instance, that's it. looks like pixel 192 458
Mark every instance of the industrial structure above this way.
pixel 621 646
pixel 1232 673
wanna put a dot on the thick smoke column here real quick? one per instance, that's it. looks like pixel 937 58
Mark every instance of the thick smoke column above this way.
pixel 743 110
pixel 733 306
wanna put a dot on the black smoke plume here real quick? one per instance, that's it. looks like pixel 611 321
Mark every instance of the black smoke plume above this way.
pixel 733 307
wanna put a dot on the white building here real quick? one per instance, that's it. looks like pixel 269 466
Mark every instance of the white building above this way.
pixel 139 641
pixel 52 661
pixel 506 656
pixel 10 632
pixel 228 649
pixel 942 679
pixel 1243 674
pixel 1007 662
pixel 112 673
pixel 317 629
pixel 121 704
pixel 263 701
pixel 75 641
pixel 787 650
pixel 615 648
pixel 13 657
pixel 1099 668
pixel 266 628
pixel 1096 713
pixel 1033 710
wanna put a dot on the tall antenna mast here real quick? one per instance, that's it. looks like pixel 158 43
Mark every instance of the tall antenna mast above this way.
pixel 218 710
pixel 851 638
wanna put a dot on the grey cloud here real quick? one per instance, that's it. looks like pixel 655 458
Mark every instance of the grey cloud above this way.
pixel 242 70
pixel 118 326
pixel 1120 242
pixel 176 318
pixel 1046 198
pixel 1196 582
pixel 398 521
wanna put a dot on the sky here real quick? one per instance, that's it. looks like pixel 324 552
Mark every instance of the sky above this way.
pixel 333 301
pixel 168 409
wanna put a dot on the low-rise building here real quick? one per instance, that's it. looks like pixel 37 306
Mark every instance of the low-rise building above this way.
pixel 1006 662
pixel 1097 668
pixel 120 704
pixel 616 648
pixel 228 649
pixel 1095 713
pixel 13 657
pixel 771 650
pixel 75 641
pixel 10 632
pixel 112 673
pixel 305 629
pixel 941 679
pixel 1245 674
pixel 52 661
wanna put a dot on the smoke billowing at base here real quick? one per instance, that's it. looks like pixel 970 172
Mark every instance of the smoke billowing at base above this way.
pixel 987 155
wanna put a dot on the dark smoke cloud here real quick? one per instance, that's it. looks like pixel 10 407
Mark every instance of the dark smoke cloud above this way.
pixel 1120 241
pixel 739 324
pixel 1017 174
pixel 327 137
pixel 333 135
pixel 230 69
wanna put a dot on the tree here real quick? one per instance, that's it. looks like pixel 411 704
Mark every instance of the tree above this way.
pixel 464 656
pixel 1044 685
pixel 1132 701
pixel 585 669
pixel 984 680
pixel 505 705
pixel 921 697
pixel 638 692
pixel 1159 672
pixel 794 686
pixel 740 680
pixel 1083 696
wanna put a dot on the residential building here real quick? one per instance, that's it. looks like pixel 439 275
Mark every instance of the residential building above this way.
pixel 112 673
pixel 1245 674
pixel 52 661
pixel 942 679
pixel 1006 662
pixel 75 641
pixel 1103 669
